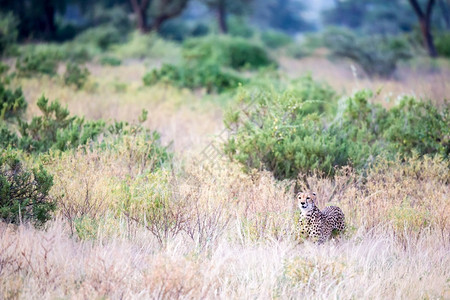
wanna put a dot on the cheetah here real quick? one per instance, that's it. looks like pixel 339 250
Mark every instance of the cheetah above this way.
pixel 318 224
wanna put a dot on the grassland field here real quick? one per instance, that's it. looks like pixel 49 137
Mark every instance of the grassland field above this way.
pixel 239 237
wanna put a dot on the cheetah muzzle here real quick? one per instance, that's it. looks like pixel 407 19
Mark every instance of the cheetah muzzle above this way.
pixel 318 224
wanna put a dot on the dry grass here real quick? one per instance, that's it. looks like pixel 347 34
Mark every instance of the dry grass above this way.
pixel 422 81
pixel 223 233
pixel 236 236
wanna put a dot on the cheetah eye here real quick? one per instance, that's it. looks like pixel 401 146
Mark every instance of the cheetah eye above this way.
pixel 307 198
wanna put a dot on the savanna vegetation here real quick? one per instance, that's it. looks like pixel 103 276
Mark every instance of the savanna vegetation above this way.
pixel 152 149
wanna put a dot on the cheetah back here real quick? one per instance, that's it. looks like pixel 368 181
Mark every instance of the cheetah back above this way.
pixel 334 217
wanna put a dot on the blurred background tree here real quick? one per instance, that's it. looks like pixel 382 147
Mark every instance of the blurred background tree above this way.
pixel 224 7
pixel 158 10
pixel 283 15
pixel 424 16
pixel 421 21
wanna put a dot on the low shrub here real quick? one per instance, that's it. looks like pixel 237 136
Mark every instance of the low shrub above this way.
pixel 418 127
pixel 110 61
pixel 56 130
pixel 71 51
pixel 145 46
pixel 76 75
pixel 237 26
pixel 12 102
pixel 207 75
pixel 236 53
pixel 24 193
pixel 286 134
pixel 275 39
pixel 38 62
pixel 102 37
pixel 283 133
pixel 376 55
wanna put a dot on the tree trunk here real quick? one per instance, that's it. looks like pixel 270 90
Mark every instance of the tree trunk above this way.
pixel 49 17
pixel 424 22
pixel 140 10
pixel 222 16
pixel 142 21
pixel 166 13
pixel 428 38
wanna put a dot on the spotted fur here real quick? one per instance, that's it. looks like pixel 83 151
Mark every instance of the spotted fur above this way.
pixel 318 224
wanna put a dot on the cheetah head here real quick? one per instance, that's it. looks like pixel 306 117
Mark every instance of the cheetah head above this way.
pixel 306 201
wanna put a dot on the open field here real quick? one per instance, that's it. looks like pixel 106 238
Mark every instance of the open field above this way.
pixel 225 233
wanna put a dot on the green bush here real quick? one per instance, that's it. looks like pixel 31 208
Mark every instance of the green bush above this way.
pixel 24 193
pixel 12 102
pixel 286 134
pixel 236 53
pixel 415 126
pixel 73 52
pixel 110 61
pixel 199 29
pixel 376 55
pixel 56 130
pixel 179 30
pixel 142 142
pixel 209 76
pixel 282 131
pixel 145 46
pixel 237 26
pixel 38 62
pixel 8 33
pixel 176 30
pixel 76 75
pixel 442 42
pixel 116 17
pixel 102 37
pixel 275 39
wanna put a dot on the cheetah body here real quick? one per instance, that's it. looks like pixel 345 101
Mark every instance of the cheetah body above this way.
pixel 318 224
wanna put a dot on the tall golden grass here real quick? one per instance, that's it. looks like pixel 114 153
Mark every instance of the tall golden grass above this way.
pixel 223 233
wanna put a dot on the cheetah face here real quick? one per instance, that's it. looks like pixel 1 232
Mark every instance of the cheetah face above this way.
pixel 306 201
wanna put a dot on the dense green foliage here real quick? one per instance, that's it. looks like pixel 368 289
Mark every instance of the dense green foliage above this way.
pixel 76 75
pixel 110 61
pixel 442 42
pixel 24 193
pixel 374 16
pixel 275 39
pixel 8 33
pixel 55 129
pixel 179 30
pixel 206 63
pixel 209 76
pixel 377 55
pixel 236 53
pixel 102 37
pixel 288 134
pixel 37 62
pixel 237 26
